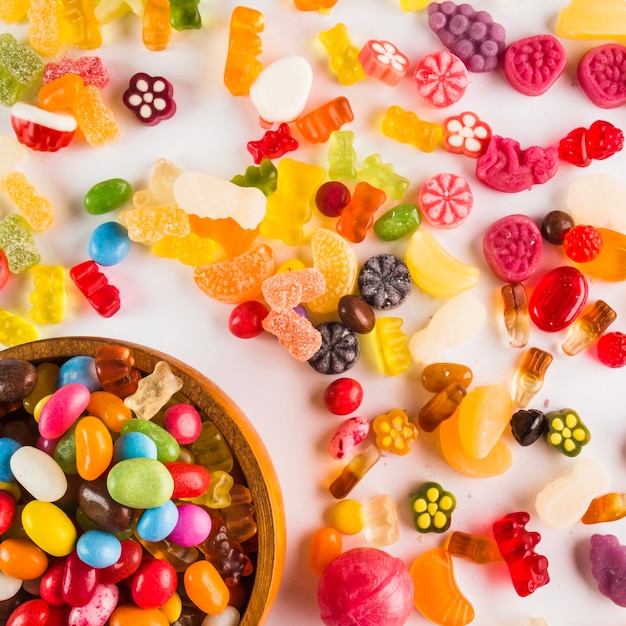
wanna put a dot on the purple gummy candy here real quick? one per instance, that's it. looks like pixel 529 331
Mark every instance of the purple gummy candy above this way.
pixel 471 35
pixel 602 75
pixel 506 167
pixel 608 567
pixel 512 248
pixel 531 65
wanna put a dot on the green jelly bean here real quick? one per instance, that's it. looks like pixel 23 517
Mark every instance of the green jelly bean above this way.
pixel 107 196
pixel 65 451
pixel 167 447
pixel 140 483
pixel 398 222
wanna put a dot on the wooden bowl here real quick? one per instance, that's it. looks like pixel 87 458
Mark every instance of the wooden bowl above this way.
pixel 247 447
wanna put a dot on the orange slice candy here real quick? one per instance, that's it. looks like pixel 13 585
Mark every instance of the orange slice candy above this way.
pixel 437 596
pixel 226 232
pixel 334 257
pixel 497 461
pixel 238 279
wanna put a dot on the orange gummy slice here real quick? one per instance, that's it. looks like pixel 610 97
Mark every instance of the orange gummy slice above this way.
pixel 239 279
pixel 436 595
pixel 226 232
pixel 483 416
pixel 497 461
pixel 334 257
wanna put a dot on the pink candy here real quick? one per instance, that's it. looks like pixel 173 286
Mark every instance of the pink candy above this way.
pixel 441 79
pixel 350 434
pixel 193 526
pixel 62 409
pixel 446 200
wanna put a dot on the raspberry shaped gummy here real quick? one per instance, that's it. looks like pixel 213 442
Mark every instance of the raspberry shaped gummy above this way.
pixel 612 349
pixel 582 243
pixel 472 35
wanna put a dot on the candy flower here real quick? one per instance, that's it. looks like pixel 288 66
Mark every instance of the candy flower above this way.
pixel 566 432
pixel 383 61
pixel 466 134
pixel 150 98
pixel 432 508
pixel 394 432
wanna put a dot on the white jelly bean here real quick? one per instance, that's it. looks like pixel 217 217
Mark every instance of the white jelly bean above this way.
pixel 228 617
pixel 562 502
pixel 213 197
pixel 349 434
pixel 9 586
pixel 280 92
pixel 39 474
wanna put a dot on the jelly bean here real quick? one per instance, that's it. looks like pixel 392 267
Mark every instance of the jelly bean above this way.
pixel 79 580
pixel 167 447
pixel 326 546
pixel 153 584
pixel 107 195
pixel 190 480
pixel 558 298
pixel 126 565
pixel 398 222
pixel 79 370
pixel 7 510
pixel 383 61
pixel 246 319
pixel 21 558
pixel 9 587
pixel 94 447
pixel 134 445
pixel 96 503
pixel 51 583
pixel 98 548
pixel 356 314
pixel 109 244
pixel 49 527
pixel 18 378
pixel 205 587
pixel 281 90
pixel 155 524
pixel 31 613
pixel 132 615
pixel 65 451
pixel 348 435
pixel 192 527
pixel 98 610
pixel 173 608
pixel 8 447
pixel 38 473
pixel 140 483
pixel 62 409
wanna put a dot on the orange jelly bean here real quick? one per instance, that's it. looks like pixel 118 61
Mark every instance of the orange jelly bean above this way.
pixel 110 409
pixel 206 588
pixel 131 615
pixel 94 447
pixel 21 558
pixel 326 546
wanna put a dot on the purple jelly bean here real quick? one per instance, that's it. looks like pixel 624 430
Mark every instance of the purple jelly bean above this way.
pixel 608 567
pixel 62 409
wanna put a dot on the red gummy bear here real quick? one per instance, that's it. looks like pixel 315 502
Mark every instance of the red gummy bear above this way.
pixel 273 144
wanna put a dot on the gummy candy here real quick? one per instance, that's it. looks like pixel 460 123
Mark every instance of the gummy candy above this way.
pixel 383 176
pixel 390 345
pixel 612 349
pixel 89 68
pixel 592 19
pixel 41 130
pixel 184 14
pixel 36 210
pixel 608 566
pixel 600 141
pixel 341 155
pixel 18 243
pixel 601 75
pixel 407 127
pixel 383 61
pixel 20 67
pixel 342 54
pixel 357 216
pixel 440 79
pixel 151 224
pixel 317 125
pixel 155 25
pixel 150 98
pixel 432 508
pixel 466 134
pixel 566 432
pixel 529 376
pixel 582 243
pixel 273 144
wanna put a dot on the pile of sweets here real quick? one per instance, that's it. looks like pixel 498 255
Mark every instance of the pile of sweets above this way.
pixel 389 211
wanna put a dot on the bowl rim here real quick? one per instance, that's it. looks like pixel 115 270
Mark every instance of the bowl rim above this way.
pixel 237 429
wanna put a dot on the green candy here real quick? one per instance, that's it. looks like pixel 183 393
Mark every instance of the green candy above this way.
pixel 263 177
pixel 20 66
pixel 140 483
pixel 184 14
pixel 18 243
pixel 383 176
pixel 398 222
pixel 65 451
pixel 107 196
pixel 167 447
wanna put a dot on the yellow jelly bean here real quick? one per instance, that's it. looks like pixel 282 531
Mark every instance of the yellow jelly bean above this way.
pixel 94 447
pixel 49 527
pixel 172 608
pixel 13 487
pixel 347 517
pixel 206 588
pixel 131 615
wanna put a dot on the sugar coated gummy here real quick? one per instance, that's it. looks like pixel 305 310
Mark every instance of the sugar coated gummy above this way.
pixel 608 566
pixel 602 75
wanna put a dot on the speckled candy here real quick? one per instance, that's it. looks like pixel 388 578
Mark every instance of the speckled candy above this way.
pixel 339 351
pixel 384 281
pixel 140 483
pixel 350 434
pixel 98 610
pixel 17 379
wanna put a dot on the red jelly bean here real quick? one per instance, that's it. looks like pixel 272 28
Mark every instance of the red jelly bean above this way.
pixel 31 613
pixel 183 422
pixel 125 566
pixel 190 481
pixel 582 243
pixel 51 583
pixel 153 584
pixel 612 349
pixel 343 396
pixel 246 319
pixel 558 298
pixel 79 580
pixel 7 510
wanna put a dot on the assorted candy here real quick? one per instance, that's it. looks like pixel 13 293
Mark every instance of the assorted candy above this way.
pixel 328 307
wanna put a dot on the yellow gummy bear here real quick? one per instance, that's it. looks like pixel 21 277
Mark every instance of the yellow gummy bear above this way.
pixel 36 210
pixel 189 250
pixel 592 19
pixel 343 55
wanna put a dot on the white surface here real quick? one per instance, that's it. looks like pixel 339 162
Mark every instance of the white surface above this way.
pixel 162 307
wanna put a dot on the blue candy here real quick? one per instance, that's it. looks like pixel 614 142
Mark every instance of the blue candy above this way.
pixel 157 523
pixel 98 548
pixel 79 369
pixel 109 243
pixel 7 447
pixel 134 445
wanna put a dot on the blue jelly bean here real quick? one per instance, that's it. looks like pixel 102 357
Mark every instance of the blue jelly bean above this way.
pixel 157 523
pixel 134 445
pixel 7 447
pixel 79 369
pixel 109 243
pixel 98 548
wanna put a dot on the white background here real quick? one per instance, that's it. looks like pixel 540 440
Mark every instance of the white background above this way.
pixel 162 308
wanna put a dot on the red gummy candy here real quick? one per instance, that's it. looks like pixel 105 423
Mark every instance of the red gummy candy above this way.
pixel 445 200
pixel 602 75
pixel 582 243
pixel 612 349
pixel 512 248
pixel 41 130
pixel 599 142
pixel 273 144
pixel 533 64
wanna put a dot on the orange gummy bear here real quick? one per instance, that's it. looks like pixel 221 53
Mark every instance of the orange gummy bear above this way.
pixel 226 233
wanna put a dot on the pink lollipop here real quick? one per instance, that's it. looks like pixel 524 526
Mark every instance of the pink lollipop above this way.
pixel 441 79
pixel 445 200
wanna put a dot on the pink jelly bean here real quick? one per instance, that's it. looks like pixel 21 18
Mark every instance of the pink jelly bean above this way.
pixel 98 610
pixel 349 435
pixel 7 510
pixel 183 422
pixel 441 79
pixel 62 409
pixel 446 200
pixel 193 526
pixel 365 586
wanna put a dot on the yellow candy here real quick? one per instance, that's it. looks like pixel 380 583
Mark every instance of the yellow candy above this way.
pixel 592 19
pixel 94 118
pixel 150 224
pixel 12 11
pixel 413 5
pixel 45 32
pixel 435 270
pixel 35 209
pixel 290 265
pixel 390 345
pixel 49 527
pixel 172 608
pixel 347 517
pixel 189 250
pixel 13 488
pixel 343 55
pixel 15 330
pixel 48 295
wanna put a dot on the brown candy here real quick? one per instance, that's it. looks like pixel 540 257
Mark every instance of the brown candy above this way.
pixel 17 379
pixel 356 314
pixel 438 376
